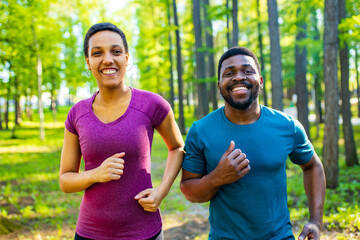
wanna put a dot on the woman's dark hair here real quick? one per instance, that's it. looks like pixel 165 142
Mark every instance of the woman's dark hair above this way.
pixel 237 51
pixel 105 26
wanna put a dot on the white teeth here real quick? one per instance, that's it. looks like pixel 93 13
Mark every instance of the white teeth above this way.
pixel 239 88
pixel 108 71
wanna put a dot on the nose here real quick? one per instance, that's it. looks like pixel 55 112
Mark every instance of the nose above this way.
pixel 108 59
pixel 239 76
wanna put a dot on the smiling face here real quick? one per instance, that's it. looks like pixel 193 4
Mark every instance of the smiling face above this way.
pixel 107 58
pixel 240 82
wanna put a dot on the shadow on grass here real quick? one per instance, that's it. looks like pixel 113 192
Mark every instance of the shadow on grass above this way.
pixel 188 230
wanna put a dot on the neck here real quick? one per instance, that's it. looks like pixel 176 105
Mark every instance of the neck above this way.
pixel 111 95
pixel 246 116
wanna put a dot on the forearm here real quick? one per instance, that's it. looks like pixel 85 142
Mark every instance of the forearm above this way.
pixel 173 166
pixel 76 182
pixel 315 185
pixel 201 189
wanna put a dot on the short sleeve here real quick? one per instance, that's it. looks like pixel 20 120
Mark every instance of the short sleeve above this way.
pixel 303 150
pixel 194 160
pixel 161 109
pixel 70 121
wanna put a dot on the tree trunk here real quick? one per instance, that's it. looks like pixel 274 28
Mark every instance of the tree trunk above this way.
pixel 181 120
pixel 350 146
pixel 40 102
pixel 53 105
pixel 357 78
pixel 17 101
pixel 317 103
pixel 6 118
pixel 28 106
pixel 331 131
pixel 275 55
pixel 210 55
pixel 235 23
pixel 262 62
pixel 203 105
pixel 171 83
pixel 157 41
pixel 39 82
pixel 317 75
pixel 227 25
pixel 300 75
pixel 1 127
pixel 8 96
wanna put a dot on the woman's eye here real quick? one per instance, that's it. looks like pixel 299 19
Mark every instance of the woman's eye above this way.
pixel 117 52
pixel 96 53
pixel 249 72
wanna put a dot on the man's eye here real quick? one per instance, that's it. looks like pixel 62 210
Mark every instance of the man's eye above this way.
pixel 96 53
pixel 249 72
pixel 117 52
pixel 228 74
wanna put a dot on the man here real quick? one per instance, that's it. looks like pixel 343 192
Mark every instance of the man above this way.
pixel 249 203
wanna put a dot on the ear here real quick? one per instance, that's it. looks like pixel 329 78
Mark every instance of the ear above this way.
pixel 126 58
pixel 87 63
pixel 261 83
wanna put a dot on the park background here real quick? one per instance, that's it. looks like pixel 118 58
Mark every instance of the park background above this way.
pixel 308 51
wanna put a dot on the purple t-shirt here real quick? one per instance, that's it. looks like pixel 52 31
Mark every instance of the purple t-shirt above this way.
pixel 109 210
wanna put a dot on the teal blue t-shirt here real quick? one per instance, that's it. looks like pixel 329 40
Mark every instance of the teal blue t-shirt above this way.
pixel 255 206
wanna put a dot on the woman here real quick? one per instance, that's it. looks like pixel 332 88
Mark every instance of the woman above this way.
pixel 113 132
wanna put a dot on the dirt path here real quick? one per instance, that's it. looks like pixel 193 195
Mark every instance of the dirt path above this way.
pixel 198 229
pixel 182 226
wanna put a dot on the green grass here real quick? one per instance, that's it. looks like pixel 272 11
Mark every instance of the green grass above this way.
pixel 29 170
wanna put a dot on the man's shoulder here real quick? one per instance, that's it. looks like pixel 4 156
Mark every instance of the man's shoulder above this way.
pixel 276 115
pixel 210 118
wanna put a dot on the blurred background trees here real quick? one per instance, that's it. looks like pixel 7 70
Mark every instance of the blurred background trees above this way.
pixel 174 48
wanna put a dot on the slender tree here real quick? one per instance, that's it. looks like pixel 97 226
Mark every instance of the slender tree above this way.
pixel 350 146
pixel 17 91
pixel 210 55
pixel 171 82
pixel 6 118
pixel 39 73
pixel 357 78
pixel 203 106
pixel 261 50
pixel 235 32
pixel 181 120
pixel 1 127
pixel 300 73
pixel 227 24
pixel 331 131
pixel 276 68
pixel 316 72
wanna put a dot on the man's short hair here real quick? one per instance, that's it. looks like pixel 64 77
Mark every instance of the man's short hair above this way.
pixel 237 51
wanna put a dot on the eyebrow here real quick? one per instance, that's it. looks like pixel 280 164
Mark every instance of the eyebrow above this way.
pixel 115 45
pixel 243 65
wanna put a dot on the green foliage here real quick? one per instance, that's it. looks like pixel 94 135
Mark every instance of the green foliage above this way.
pixel 341 210
pixel 350 28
